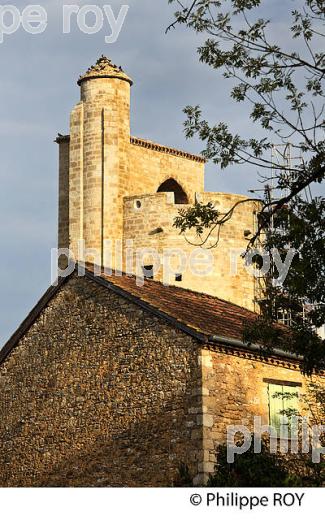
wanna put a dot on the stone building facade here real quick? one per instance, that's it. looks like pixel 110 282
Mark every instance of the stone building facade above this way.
pixel 112 383
pixel 116 190
pixel 113 408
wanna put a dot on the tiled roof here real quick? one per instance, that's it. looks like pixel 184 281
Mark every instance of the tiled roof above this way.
pixel 202 313
pixel 211 320
pixel 207 318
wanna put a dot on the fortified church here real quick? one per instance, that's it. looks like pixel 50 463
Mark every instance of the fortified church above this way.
pixel 109 382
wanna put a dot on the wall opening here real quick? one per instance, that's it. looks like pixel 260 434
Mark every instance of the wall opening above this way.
pixel 147 271
pixel 172 186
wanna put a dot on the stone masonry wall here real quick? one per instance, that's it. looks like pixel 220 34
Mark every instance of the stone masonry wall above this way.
pixel 105 165
pixel 99 393
pixel 63 228
pixel 234 390
pixel 149 168
pixel 228 278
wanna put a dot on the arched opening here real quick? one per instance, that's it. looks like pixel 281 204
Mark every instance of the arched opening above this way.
pixel 172 186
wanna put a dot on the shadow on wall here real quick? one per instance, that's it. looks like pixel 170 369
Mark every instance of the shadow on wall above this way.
pixel 106 402
pixel 170 185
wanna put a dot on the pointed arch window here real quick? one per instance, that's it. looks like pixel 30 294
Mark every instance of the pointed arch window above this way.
pixel 170 185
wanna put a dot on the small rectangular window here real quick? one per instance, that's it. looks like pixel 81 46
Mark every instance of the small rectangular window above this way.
pixel 148 272
pixel 284 316
pixel 283 406
pixel 178 277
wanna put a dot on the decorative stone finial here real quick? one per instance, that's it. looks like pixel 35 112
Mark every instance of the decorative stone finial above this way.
pixel 104 68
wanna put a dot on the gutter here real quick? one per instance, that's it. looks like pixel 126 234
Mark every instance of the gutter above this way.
pixel 223 340
pixel 253 347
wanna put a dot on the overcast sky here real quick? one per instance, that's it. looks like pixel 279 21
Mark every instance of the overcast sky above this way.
pixel 37 91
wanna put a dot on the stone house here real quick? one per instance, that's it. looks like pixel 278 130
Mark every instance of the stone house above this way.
pixel 109 382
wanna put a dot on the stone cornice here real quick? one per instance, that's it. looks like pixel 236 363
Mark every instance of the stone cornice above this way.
pixel 62 139
pixel 104 68
pixel 150 145
pixel 273 360
pixel 137 141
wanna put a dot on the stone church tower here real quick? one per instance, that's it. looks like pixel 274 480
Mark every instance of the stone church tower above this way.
pixel 119 192
pixel 95 177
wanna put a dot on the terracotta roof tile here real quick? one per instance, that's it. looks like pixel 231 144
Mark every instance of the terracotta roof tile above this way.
pixel 201 312
pixel 203 316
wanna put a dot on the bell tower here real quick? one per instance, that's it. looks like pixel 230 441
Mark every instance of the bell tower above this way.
pixel 95 162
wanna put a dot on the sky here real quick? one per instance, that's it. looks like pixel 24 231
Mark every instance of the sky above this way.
pixel 37 92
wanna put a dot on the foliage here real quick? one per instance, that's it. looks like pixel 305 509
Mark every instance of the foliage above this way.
pixel 251 469
pixel 267 469
pixel 303 227
pixel 183 478
pixel 284 87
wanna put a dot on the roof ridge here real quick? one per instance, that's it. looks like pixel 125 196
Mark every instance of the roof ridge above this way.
pixel 182 321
